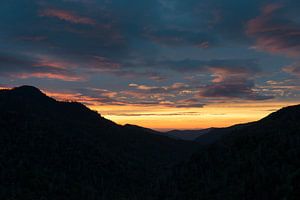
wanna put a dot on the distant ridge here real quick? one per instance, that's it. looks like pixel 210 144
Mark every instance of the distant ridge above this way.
pixel 257 160
pixel 188 134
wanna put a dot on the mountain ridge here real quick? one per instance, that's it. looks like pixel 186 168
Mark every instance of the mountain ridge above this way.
pixel 189 135
pixel 257 160
pixel 59 149
pixel 63 150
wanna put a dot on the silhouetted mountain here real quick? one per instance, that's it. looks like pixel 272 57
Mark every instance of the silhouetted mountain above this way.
pixel 63 150
pixel 188 134
pixel 259 160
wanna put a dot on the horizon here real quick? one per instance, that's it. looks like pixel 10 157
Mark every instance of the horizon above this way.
pixel 158 64
pixel 163 130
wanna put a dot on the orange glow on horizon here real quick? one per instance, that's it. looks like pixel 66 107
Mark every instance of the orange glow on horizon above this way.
pixel 216 115
pixel 164 118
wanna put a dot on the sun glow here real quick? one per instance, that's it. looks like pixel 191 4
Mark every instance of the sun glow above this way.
pixel 216 115
pixel 165 118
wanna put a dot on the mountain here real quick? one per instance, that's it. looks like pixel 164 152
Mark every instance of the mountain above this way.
pixel 259 160
pixel 188 134
pixel 63 150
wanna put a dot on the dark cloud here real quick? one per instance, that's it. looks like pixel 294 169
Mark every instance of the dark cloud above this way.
pixel 233 82
pixel 155 76
pixel 173 37
pixel 13 62
pixel 154 43
pixel 64 27
pixel 230 78
pixel 240 90
pixel 21 66
pixel 116 27
pixel 44 66
pixel 222 19
pixel 233 66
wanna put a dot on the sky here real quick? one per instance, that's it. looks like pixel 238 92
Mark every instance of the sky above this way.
pixel 162 64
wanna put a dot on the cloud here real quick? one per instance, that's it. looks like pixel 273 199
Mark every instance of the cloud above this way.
pixel 154 43
pixel 293 69
pixel 24 67
pixel 222 20
pixel 175 87
pixel 33 38
pixel 173 37
pixel 195 65
pixel 229 78
pixel 151 75
pixel 66 15
pixel 141 97
pixel 233 83
pixel 97 64
pixel 189 103
pixel 41 66
pixel 240 90
pixel 88 96
pixel 284 89
pixel 43 75
pixel 275 31
pixel 178 95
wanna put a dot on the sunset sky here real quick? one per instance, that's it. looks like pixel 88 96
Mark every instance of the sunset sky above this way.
pixel 162 64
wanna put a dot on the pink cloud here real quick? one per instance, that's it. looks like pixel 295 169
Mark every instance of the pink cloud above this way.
pixel 54 63
pixel 274 32
pixel 68 16
pixel 270 8
pixel 223 74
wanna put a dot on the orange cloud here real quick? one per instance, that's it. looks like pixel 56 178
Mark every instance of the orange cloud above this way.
pixel 49 76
